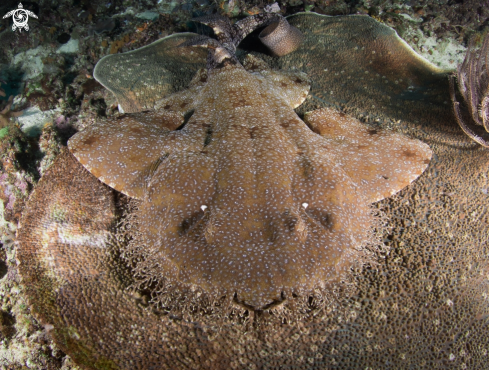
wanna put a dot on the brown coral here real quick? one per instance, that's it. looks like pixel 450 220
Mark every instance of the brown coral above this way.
pixel 473 84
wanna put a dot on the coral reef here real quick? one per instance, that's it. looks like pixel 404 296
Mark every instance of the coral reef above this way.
pixel 6 113
pixel 434 29
pixel 18 171
pixel 7 229
pixel 398 307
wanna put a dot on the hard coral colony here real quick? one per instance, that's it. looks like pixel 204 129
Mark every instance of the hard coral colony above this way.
pixel 236 245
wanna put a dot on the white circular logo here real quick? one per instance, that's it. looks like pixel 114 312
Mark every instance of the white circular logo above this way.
pixel 20 17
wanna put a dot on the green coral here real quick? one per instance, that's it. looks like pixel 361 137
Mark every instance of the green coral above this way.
pixel 3 132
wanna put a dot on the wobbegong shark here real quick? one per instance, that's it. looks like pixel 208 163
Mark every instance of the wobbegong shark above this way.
pixel 241 215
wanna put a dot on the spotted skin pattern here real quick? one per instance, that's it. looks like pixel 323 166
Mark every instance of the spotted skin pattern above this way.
pixel 242 211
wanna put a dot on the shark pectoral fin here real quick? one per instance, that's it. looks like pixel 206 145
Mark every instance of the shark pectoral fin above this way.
pixel 122 152
pixel 381 162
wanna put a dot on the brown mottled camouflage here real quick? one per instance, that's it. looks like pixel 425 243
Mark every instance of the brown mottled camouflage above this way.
pixel 417 299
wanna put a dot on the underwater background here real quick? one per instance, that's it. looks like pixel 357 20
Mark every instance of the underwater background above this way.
pixel 48 93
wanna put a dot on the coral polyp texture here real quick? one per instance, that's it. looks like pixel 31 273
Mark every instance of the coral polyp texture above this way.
pixel 226 228
pixel 472 78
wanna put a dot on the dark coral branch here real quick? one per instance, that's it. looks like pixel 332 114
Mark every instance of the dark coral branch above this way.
pixel 473 84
